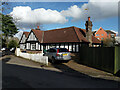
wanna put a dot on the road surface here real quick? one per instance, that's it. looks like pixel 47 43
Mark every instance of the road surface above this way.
pixel 17 76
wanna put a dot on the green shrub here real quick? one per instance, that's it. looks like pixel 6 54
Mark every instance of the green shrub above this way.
pixel 12 44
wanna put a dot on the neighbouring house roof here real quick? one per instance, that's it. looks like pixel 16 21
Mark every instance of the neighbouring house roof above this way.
pixel 109 31
pixel 26 33
pixel 94 39
pixel 68 34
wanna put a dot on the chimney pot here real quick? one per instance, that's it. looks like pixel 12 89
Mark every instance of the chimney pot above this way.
pixel 88 18
pixel 37 27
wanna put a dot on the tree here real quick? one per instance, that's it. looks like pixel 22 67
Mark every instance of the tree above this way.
pixel 12 44
pixel 8 27
pixel 108 42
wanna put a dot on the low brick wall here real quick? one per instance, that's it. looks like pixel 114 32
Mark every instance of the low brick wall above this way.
pixel 34 52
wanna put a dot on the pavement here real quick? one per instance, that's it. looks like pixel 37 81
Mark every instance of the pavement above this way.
pixel 23 73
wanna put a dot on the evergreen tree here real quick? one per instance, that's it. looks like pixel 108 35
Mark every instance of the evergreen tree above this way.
pixel 8 27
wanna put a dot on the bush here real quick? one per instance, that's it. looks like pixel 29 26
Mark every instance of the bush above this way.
pixel 108 42
pixel 12 44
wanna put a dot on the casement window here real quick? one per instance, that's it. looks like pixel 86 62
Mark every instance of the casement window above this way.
pixel 102 34
pixel 28 46
pixel 32 46
pixel 70 47
pixel 37 46
pixel 74 47
pixel 97 34
pixel 57 45
pixel 112 35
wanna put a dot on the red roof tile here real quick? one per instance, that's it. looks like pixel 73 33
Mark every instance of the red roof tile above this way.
pixel 69 34
pixel 80 35
pixel 26 33
pixel 95 40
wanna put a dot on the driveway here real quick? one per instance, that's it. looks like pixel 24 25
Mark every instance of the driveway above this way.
pixel 28 74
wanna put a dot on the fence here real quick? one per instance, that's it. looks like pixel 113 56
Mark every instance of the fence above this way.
pixel 117 59
pixel 34 57
pixel 104 58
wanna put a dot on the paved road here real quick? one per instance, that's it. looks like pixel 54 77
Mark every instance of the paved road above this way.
pixel 17 76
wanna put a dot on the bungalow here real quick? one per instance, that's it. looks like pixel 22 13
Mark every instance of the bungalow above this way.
pixel 70 37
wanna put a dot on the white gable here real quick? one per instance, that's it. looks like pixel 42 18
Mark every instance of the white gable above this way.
pixel 32 37
pixel 23 39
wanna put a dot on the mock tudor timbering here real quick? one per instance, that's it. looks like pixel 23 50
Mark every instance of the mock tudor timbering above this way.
pixel 22 41
pixel 71 38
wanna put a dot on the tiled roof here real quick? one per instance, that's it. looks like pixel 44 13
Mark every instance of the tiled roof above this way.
pixel 80 34
pixel 26 33
pixel 95 40
pixel 69 34
pixel 109 31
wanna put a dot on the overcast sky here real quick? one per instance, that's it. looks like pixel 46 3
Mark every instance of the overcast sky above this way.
pixel 52 15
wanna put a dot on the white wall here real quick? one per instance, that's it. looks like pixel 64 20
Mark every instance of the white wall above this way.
pixel 22 46
pixel 34 57
pixel 32 37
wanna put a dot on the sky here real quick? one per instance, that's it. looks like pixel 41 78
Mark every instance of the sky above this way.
pixel 53 15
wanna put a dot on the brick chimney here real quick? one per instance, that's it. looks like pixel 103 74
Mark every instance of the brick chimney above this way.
pixel 88 18
pixel 89 25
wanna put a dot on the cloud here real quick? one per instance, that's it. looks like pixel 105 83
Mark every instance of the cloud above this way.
pixel 95 9
pixel 73 11
pixel 95 30
pixel 28 18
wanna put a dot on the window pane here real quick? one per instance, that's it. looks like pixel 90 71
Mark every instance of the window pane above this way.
pixel 97 34
pixel 63 50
